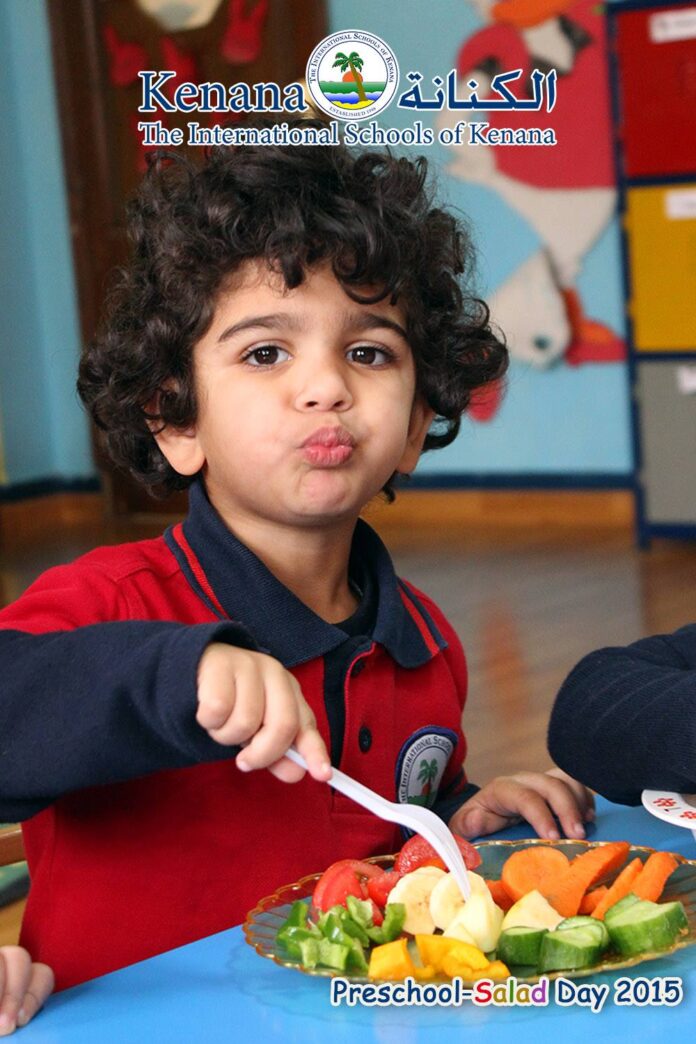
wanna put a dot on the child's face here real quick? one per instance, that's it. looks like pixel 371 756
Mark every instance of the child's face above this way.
pixel 306 401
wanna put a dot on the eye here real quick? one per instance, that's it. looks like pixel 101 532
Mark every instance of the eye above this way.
pixel 266 355
pixel 369 355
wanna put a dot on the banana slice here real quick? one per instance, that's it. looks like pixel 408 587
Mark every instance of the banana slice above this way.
pixel 414 891
pixel 446 900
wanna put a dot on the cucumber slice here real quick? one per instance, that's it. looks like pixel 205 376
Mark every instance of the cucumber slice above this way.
pixel 572 948
pixel 618 908
pixel 520 945
pixel 593 924
pixel 644 926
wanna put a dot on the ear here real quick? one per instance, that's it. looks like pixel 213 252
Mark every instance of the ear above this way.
pixel 422 417
pixel 180 446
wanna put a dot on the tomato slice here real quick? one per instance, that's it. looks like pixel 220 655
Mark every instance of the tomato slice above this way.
pixel 418 852
pixel 379 887
pixel 377 915
pixel 343 878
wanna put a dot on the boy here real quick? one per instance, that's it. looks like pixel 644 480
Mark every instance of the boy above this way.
pixel 290 334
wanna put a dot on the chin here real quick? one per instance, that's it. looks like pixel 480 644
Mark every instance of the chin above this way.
pixel 328 493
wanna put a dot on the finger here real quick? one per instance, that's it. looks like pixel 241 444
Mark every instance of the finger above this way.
pixel 533 807
pixel 40 986
pixel 286 771
pixel 16 974
pixel 216 688
pixel 310 744
pixel 247 714
pixel 280 722
pixel 562 800
pixel 476 821
pixel 583 796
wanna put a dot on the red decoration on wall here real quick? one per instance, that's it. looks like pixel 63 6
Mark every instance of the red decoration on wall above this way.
pixel 582 157
pixel 241 43
pixel 485 402
pixel 179 62
pixel 125 59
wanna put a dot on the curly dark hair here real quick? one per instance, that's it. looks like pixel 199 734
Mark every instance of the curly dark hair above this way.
pixel 369 214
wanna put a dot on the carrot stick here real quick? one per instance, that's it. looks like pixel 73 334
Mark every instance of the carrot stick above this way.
pixel 532 868
pixel 651 880
pixel 622 886
pixel 501 896
pixel 568 890
pixel 590 899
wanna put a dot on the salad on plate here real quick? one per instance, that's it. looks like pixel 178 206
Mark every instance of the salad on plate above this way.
pixel 535 907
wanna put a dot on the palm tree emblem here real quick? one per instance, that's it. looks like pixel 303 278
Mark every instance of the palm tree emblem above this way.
pixel 427 771
pixel 354 62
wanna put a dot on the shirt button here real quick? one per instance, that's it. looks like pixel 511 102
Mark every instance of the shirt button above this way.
pixel 357 668
pixel 364 739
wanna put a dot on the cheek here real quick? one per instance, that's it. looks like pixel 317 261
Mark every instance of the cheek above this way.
pixel 229 414
pixel 391 414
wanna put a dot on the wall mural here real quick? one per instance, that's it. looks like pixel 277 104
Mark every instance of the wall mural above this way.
pixel 566 193
pixel 240 42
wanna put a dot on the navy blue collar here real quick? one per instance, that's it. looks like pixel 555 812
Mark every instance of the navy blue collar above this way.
pixel 236 584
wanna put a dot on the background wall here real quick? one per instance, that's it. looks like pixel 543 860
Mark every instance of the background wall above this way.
pixel 565 424
pixel 45 433
pixel 567 421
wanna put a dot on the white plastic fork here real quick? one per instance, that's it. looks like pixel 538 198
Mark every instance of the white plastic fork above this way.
pixel 414 817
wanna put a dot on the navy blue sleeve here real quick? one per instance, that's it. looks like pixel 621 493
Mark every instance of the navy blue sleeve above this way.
pixel 453 797
pixel 625 718
pixel 100 704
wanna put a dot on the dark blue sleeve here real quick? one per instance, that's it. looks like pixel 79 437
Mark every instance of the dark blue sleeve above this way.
pixel 100 704
pixel 453 797
pixel 625 718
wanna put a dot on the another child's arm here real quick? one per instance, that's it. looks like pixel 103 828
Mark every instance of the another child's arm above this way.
pixel 536 797
pixel 24 987
pixel 624 719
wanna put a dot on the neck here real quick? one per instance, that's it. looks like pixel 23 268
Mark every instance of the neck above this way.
pixel 311 561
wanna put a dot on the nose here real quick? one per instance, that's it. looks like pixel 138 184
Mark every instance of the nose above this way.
pixel 324 388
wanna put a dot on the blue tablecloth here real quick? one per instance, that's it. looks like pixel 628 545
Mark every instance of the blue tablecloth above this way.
pixel 218 990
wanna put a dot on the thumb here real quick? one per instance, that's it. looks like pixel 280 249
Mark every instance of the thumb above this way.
pixel 473 821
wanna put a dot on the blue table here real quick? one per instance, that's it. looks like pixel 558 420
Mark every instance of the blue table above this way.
pixel 218 990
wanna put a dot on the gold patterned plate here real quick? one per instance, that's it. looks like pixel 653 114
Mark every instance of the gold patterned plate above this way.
pixel 262 923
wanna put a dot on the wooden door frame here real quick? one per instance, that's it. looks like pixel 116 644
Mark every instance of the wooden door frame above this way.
pixel 96 212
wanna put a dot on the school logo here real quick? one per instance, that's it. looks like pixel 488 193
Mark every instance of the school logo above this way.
pixel 352 75
pixel 421 764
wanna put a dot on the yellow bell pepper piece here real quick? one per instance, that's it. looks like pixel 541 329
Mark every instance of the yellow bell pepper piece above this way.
pixel 452 967
pixel 433 949
pixel 497 971
pixel 468 954
pixel 391 961
pixel 425 974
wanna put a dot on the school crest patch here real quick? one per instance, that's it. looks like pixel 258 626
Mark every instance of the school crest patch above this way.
pixel 421 764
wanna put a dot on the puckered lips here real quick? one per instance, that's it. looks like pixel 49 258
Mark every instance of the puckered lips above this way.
pixel 328 447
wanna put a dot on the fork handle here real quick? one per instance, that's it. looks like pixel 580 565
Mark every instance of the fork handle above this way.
pixel 375 803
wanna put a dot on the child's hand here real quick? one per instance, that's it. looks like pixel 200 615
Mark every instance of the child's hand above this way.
pixel 249 698
pixel 534 796
pixel 23 988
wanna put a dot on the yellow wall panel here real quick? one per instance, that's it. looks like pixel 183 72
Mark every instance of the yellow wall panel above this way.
pixel 661 227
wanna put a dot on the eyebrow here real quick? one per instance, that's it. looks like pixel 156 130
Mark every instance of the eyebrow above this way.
pixel 360 322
